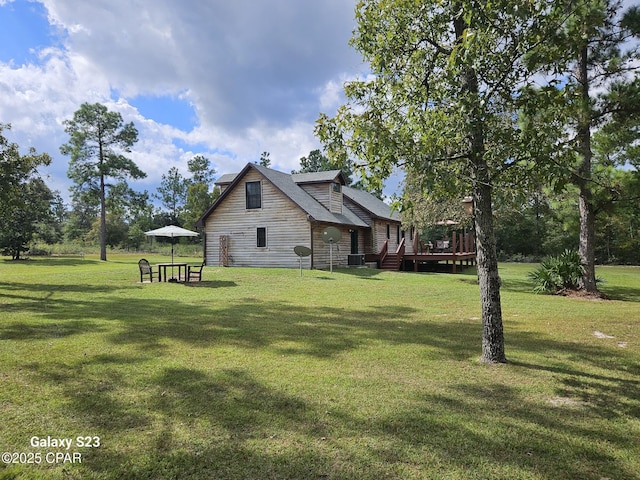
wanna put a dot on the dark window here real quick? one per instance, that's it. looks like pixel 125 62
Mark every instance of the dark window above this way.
pixel 262 237
pixel 388 231
pixel 254 195
pixel 336 187
pixel 354 241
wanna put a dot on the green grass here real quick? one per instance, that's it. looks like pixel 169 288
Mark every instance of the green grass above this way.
pixel 359 374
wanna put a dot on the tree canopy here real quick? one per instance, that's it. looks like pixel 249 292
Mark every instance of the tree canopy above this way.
pixel 454 97
pixel 440 103
pixel 589 94
pixel 25 200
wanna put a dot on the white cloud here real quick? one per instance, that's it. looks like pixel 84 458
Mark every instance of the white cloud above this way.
pixel 243 61
pixel 256 72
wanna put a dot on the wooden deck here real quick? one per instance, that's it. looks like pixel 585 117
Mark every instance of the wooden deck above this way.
pixel 460 254
pixel 458 260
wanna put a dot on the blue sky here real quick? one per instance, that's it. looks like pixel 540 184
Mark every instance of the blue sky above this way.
pixel 227 80
pixel 25 30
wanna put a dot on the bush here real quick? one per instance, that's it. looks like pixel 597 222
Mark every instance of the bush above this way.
pixel 556 274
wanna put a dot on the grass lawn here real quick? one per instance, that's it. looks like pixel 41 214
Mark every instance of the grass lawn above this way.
pixel 359 374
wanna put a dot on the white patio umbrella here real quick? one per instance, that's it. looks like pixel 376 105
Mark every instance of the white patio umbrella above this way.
pixel 171 231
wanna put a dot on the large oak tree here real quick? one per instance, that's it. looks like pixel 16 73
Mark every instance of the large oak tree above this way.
pixel 440 102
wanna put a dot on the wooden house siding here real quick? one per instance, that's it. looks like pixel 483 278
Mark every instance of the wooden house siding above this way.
pixel 378 233
pixel 321 250
pixel 292 210
pixel 323 193
pixel 379 230
pixel 286 226
pixel 335 200
pixel 320 191
pixel 359 211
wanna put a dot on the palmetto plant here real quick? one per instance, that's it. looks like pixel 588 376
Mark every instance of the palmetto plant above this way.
pixel 556 274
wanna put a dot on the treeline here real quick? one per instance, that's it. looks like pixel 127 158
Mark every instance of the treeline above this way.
pixel 104 211
pixel 533 223
pixel 529 223
pixel 129 213
pixel 548 223
pixel 32 214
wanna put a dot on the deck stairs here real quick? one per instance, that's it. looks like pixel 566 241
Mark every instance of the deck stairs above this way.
pixel 390 262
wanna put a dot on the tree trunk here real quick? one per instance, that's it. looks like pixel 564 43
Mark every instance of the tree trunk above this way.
pixel 103 222
pixel 486 256
pixel 587 240
pixel 488 277
pixel 583 179
pixel 103 210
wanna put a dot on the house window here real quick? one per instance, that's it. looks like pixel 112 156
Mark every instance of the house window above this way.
pixel 254 195
pixel 336 187
pixel 261 237
pixel 388 231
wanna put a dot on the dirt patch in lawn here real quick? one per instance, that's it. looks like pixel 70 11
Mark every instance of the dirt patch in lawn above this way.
pixel 597 296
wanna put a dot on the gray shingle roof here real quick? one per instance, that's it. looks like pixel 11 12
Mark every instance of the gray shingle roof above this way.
pixel 288 185
pixel 226 179
pixel 284 182
pixel 370 203
pixel 316 177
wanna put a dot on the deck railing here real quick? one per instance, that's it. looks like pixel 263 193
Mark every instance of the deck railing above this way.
pixel 400 253
pixel 384 251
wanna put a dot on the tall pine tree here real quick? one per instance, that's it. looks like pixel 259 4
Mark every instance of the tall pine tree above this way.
pixel 98 140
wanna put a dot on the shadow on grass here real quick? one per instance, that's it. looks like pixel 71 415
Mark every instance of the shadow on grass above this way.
pixel 239 427
pixel 247 323
pixel 227 423
pixel 606 396
pixel 518 437
pixel 251 323
pixel 362 272
pixel 61 261
pixel 517 286
pixel 211 284
pixel 50 289
pixel 624 294
pixel 30 331
pixel 251 430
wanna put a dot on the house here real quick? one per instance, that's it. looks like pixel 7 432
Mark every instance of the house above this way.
pixel 262 214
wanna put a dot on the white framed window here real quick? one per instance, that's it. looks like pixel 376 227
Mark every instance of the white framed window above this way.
pixel 253 192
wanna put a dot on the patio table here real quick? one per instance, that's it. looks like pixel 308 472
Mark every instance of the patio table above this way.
pixel 162 270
